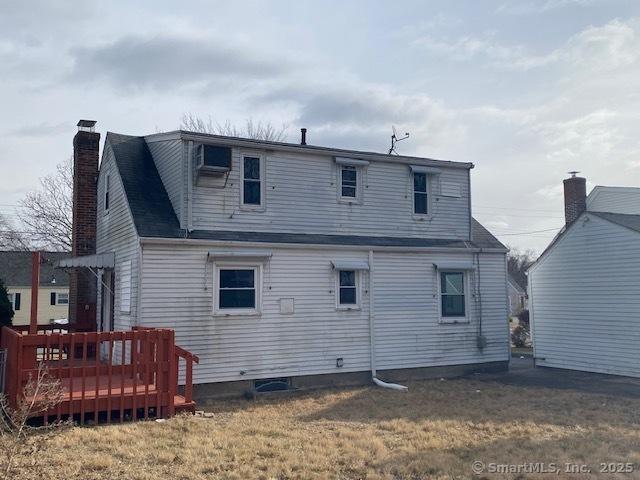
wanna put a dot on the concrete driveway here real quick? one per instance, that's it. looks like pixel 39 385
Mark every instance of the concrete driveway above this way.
pixel 522 372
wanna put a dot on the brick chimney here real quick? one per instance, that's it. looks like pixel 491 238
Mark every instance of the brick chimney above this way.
pixel 575 197
pixel 82 284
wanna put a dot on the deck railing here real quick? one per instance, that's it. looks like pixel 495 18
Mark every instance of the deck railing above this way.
pixel 104 375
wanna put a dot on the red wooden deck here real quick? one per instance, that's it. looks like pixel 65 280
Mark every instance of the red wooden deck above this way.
pixel 105 377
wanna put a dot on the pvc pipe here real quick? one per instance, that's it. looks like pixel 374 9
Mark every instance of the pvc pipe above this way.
pixel 372 338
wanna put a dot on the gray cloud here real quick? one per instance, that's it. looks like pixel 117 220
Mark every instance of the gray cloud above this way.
pixel 171 62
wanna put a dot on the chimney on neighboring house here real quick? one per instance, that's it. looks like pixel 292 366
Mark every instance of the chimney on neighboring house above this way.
pixel 575 197
pixel 82 284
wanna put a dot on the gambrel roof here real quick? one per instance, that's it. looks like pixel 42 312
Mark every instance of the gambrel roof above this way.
pixel 154 217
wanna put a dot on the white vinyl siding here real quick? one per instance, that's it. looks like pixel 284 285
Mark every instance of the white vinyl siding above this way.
pixel 584 300
pixel 309 338
pixel 116 233
pixel 614 200
pixel 125 286
pixel 300 197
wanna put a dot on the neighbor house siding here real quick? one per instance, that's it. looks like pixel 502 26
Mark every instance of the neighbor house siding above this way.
pixel 585 297
pixel 178 293
pixel 46 311
pixel 614 200
pixel 168 158
pixel 301 195
pixel 116 233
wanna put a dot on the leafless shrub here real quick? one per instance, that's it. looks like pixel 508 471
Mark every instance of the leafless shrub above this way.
pixel 256 130
pixel 18 439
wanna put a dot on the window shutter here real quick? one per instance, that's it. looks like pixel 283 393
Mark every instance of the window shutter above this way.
pixel 16 301
pixel 53 298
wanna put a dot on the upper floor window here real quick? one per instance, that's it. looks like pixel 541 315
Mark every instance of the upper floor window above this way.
pixel 349 182
pixel 107 181
pixel 420 194
pixel 452 294
pixel 252 179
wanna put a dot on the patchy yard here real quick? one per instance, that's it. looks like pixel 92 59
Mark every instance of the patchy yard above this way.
pixel 436 430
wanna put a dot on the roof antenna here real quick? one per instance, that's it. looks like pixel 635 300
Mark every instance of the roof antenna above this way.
pixel 395 139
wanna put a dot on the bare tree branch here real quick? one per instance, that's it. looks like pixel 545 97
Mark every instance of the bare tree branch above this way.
pixel 11 238
pixel 259 131
pixel 46 213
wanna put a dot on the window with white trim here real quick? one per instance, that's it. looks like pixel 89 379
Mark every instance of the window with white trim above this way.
pixel 349 182
pixel 59 298
pixel 348 289
pixel 420 194
pixel 252 181
pixel 237 289
pixel 452 295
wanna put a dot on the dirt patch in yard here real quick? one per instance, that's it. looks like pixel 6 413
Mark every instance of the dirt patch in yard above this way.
pixel 436 430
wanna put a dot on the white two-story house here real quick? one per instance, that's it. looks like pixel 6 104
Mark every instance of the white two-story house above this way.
pixel 304 264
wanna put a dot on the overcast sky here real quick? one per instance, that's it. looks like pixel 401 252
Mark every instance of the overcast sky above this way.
pixel 526 90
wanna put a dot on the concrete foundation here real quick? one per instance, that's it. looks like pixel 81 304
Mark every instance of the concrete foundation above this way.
pixel 207 391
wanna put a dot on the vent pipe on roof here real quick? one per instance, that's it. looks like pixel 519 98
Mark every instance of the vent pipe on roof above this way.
pixel 575 197
pixel 303 139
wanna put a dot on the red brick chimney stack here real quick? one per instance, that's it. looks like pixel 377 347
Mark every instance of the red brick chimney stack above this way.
pixel 575 197
pixel 82 288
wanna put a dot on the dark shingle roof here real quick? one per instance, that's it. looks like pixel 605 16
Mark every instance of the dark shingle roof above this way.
pixel 15 269
pixel 150 206
pixel 154 217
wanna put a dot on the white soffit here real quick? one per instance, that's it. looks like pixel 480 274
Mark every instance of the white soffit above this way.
pixel 350 265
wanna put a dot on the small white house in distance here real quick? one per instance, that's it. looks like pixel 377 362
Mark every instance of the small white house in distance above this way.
pixel 584 290
pixel 517 297
pixel 296 264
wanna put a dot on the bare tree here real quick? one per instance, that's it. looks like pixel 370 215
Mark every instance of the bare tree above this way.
pixel 517 264
pixel 259 131
pixel 11 238
pixel 46 214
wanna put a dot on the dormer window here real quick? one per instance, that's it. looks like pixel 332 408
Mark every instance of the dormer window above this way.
pixel 252 185
pixel 349 182
pixel 350 173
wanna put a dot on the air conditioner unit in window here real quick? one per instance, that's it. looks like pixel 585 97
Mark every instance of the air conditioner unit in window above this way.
pixel 213 159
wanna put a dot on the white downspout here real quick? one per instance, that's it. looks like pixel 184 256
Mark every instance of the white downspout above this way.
pixel 372 337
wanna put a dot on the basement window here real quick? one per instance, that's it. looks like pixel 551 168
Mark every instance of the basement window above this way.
pixel 271 384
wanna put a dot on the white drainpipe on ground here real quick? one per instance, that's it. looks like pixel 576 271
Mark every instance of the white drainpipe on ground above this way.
pixel 372 338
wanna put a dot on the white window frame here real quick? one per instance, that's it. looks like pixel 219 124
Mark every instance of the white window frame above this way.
pixel 58 294
pixel 107 196
pixel 421 216
pixel 358 279
pixel 350 200
pixel 263 182
pixel 12 299
pixel 257 281
pixel 466 284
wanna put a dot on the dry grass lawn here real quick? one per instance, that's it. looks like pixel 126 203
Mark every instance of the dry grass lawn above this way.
pixel 436 430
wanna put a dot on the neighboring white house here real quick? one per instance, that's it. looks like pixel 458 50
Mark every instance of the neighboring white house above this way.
pixel 517 297
pixel 584 290
pixel 290 261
